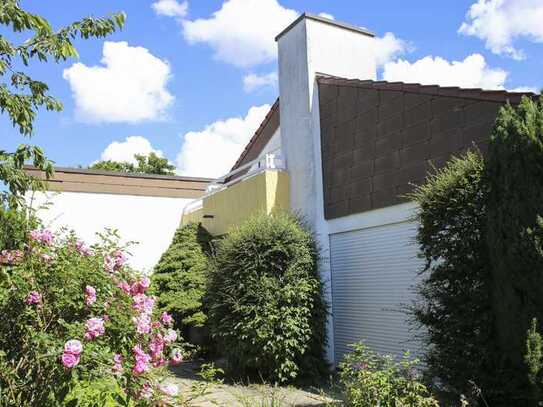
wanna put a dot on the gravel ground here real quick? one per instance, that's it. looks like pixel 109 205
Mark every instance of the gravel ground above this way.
pixel 253 395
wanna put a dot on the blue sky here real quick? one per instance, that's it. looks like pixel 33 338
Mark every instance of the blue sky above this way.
pixel 177 85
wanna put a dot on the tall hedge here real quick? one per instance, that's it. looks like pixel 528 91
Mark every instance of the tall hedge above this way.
pixel 515 226
pixel 266 306
pixel 180 277
pixel 455 306
pixel 481 233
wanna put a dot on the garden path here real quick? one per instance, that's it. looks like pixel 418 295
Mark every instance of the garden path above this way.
pixel 254 395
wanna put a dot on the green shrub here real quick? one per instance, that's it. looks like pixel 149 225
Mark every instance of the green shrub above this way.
pixel 455 286
pixel 481 233
pixel 373 380
pixel 180 277
pixel 266 305
pixel 515 230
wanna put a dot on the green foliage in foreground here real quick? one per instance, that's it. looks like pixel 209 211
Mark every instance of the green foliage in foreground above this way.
pixel 180 277
pixel 373 380
pixel 266 305
pixel 146 164
pixel 515 229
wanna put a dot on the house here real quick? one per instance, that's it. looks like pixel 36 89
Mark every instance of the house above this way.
pixel 343 149
pixel 143 208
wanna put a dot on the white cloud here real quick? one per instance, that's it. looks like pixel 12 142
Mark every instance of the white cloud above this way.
pixel 327 15
pixel 253 81
pixel 524 89
pixel 124 151
pixel 472 72
pixel 214 150
pixel 129 87
pixel 242 32
pixel 170 8
pixel 389 47
pixel 500 22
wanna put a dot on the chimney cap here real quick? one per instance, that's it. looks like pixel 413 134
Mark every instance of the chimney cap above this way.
pixel 325 20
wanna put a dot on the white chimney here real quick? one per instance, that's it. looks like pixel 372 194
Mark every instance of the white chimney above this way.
pixel 314 45
pixel 310 46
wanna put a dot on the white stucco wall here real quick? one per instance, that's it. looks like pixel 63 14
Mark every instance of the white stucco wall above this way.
pixel 307 49
pixel 150 221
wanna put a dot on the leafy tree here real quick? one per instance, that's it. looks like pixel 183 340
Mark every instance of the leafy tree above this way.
pixel 150 164
pixel 114 166
pixel 180 277
pixel 21 96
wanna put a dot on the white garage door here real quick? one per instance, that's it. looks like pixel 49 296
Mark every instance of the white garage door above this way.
pixel 373 273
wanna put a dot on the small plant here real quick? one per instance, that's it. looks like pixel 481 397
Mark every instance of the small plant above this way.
pixel 373 380
pixel 265 297
pixel 534 361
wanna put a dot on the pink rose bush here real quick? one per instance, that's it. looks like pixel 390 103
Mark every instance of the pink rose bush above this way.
pixel 81 315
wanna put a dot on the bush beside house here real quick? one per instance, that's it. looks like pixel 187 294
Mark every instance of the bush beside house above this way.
pixel 265 297
pixel 481 235
pixel 180 277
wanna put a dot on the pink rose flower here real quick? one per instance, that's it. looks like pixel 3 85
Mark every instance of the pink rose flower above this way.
pixel 123 285
pixel 166 318
pixel 94 327
pixel 140 286
pixel 142 360
pixel 82 248
pixel 73 346
pixel 171 336
pixel 176 357
pixel 146 392
pixel 143 323
pixel 118 259
pixel 169 389
pixel 156 346
pixel 69 360
pixel 90 295
pixel 11 257
pixel 42 236
pixel 159 362
pixel 109 264
pixel 144 304
pixel 33 297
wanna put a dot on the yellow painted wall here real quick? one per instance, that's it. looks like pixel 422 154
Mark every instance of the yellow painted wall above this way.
pixel 263 193
pixel 195 216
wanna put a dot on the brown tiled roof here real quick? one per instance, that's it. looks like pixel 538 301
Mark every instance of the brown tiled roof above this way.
pixel 261 137
pixel 449 91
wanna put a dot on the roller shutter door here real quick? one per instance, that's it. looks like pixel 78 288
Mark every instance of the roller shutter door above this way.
pixel 373 273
